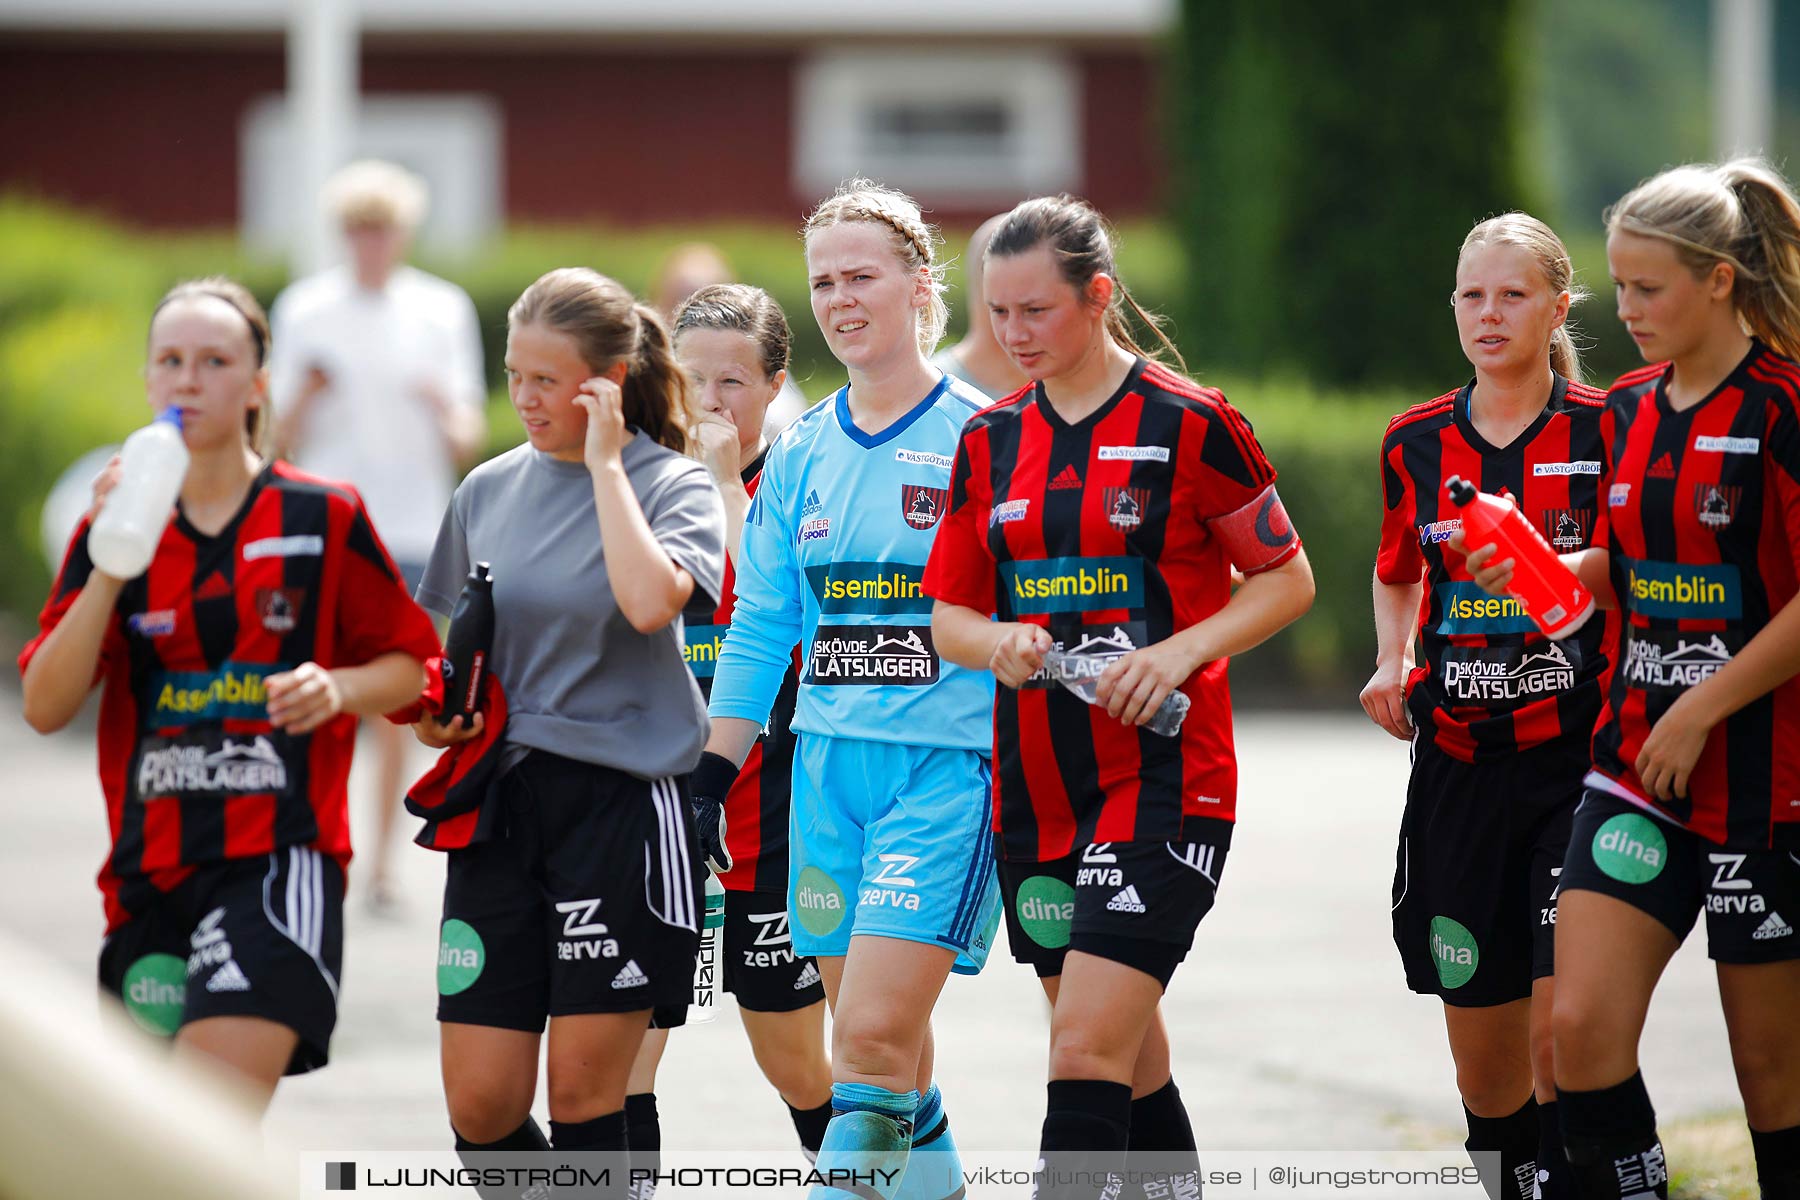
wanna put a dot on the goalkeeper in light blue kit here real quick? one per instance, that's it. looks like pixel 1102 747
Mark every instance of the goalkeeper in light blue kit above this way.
pixel 891 882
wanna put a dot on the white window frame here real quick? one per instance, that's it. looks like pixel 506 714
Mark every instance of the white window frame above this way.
pixel 453 140
pixel 1039 89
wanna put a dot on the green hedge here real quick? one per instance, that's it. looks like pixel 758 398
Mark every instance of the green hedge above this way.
pixel 76 293
pixel 1328 159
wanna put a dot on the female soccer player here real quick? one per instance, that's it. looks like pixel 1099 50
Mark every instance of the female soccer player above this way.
pixel 231 675
pixel 584 909
pixel 1694 798
pixel 1503 715
pixel 891 874
pixel 1100 512
pixel 732 340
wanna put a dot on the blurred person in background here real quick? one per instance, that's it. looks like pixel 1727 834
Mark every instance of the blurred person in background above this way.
pixel 1498 716
pixel 684 271
pixel 231 673
pixel 978 360
pixel 376 381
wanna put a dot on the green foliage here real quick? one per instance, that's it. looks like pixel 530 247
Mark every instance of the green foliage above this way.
pixel 1334 156
pixel 77 294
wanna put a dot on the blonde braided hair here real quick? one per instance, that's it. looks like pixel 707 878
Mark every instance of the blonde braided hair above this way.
pixel 915 241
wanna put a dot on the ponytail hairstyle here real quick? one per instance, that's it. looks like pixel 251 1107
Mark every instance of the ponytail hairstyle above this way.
pixel 914 241
pixel 1082 243
pixel 609 327
pixel 1741 212
pixel 1537 239
pixel 740 308
pixel 235 294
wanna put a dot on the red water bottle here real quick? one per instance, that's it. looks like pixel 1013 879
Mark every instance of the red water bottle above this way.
pixel 1547 590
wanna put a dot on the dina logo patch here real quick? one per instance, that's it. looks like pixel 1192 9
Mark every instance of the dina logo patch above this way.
pixel 1716 504
pixel 923 506
pixel 1125 507
pixel 1568 528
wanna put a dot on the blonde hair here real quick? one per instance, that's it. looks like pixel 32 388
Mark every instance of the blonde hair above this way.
pixel 1527 233
pixel 1081 243
pixel 372 192
pixel 611 327
pixel 235 294
pixel 914 240
pixel 1741 212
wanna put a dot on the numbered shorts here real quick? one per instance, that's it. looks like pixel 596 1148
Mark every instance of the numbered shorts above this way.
pixel 1477 868
pixel 762 969
pixel 1136 903
pixel 895 841
pixel 588 901
pixel 247 937
pixel 1751 897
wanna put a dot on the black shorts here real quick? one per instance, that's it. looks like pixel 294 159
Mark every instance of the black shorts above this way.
pixel 761 968
pixel 247 937
pixel 588 901
pixel 1477 869
pixel 1751 897
pixel 1137 903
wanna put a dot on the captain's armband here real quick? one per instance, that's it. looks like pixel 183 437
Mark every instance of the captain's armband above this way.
pixel 1258 537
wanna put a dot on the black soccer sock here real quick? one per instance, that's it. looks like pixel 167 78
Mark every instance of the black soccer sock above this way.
pixel 643 1133
pixel 1610 1138
pixel 602 1178
pixel 1087 1130
pixel 1554 1182
pixel 526 1139
pixel 1161 1132
pixel 810 1124
pixel 1778 1162
pixel 1515 1138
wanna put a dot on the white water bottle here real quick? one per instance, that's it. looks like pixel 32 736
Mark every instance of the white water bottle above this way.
pixel 123 538
pixel 709 970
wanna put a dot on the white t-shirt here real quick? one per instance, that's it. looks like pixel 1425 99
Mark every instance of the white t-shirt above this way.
pixel 373 427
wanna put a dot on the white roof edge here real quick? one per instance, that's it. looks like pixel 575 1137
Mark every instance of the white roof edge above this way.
pixel 1022 19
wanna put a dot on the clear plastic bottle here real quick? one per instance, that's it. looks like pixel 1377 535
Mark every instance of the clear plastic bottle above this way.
pixel 709 970
pixel 1080 673
pixel 1548 591
pixel 123 538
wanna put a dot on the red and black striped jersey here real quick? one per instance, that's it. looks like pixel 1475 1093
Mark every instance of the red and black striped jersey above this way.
pixel 191 769
pixel 756 809
pixel 1487 683
pixel 1702 519
pixel 1099 531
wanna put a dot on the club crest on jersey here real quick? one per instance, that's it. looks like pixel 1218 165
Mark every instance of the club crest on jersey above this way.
pixel 1716 504
pixel 1125 507
pixel 1567 528
pixel 280 608
pixel 923 506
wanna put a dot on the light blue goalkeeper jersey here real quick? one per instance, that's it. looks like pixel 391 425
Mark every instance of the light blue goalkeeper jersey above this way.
pixel 832 558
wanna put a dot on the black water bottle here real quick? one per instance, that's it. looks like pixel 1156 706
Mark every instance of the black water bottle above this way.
pixel 466 648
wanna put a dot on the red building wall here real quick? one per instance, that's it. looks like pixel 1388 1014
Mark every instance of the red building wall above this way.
pixel 149 132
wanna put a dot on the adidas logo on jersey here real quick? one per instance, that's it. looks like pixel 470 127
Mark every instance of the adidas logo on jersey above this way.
pixel 1066 479
pixel 629 976
pixel 228 978
pixel 1662 468
pixel 811 506
pixel 808 976
pixel 1774 927
pixel 1126 901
